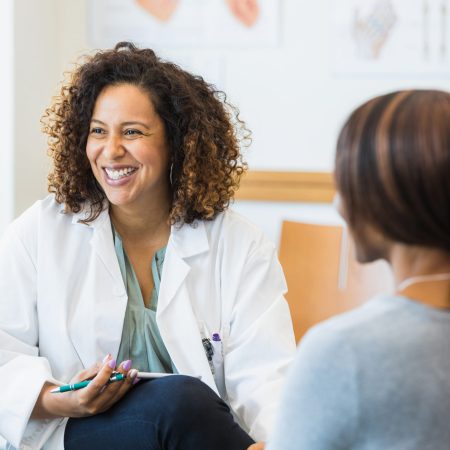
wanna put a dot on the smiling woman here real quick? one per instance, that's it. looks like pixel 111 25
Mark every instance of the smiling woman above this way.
pixel 135 256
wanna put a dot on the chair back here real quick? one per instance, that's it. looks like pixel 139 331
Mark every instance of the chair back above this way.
pixel 322 274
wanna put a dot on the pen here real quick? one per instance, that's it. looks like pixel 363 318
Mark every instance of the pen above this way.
pixel 115 377
pixel 83 384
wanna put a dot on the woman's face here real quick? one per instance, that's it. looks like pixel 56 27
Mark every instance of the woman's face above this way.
pixel 127 147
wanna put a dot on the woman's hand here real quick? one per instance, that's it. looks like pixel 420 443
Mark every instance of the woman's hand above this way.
pixel 257 446
pixel 95 398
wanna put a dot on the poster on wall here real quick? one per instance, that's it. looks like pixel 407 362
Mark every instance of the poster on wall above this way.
pixel 390 37
pixel 185 23
pixel 197 34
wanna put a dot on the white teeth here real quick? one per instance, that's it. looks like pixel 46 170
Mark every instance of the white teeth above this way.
pixel 116 174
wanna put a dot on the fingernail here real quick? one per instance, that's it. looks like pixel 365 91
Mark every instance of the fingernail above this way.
pixel 112 363
pixel 136 380
pixel 126 364
pixel 106 358
pixel 132 373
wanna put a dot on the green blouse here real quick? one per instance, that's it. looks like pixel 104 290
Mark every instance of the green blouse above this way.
pixel 141 341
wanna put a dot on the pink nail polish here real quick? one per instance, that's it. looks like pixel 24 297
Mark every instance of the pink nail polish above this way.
pixel 132 374
pixel 106 358
pixel 112 363
pixel 126 365
pixel 136 380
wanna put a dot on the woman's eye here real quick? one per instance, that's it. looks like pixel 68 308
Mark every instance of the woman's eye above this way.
pixel 132 132
pixel 96 130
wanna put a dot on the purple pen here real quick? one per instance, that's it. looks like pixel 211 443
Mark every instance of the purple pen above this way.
pixel 217 361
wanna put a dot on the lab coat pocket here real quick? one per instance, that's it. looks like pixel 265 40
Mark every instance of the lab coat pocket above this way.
pixel 213 345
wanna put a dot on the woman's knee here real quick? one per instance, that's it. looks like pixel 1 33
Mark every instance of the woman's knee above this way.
pixel 186 395
pixel 188 414
pixel 179 398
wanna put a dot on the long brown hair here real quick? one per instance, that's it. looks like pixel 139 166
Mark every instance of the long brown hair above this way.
pixel 393 166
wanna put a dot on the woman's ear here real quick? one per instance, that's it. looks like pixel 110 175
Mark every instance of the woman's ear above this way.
pixel 338 205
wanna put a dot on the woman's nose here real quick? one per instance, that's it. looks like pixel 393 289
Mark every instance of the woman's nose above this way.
pixel 114 148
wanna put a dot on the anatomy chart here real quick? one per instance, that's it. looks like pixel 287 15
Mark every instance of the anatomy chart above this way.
pixel 390 36
pixel 185 23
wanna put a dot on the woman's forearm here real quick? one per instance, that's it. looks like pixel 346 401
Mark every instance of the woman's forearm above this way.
pixel 50 406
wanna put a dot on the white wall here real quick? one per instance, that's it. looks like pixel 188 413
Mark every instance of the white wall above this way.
pixel 72 17
pixel 270 215
pixel 291 96
pixel 6 118
pixel 47 36
pixel 36 43
pixel 6 113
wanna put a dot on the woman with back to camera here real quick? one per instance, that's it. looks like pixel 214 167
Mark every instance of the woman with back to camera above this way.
pixel 378 377
pixel 134 262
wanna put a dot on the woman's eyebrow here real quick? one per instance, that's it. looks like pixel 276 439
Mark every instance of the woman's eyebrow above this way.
pixel 136 122
pixel 98 121
pixel 132 122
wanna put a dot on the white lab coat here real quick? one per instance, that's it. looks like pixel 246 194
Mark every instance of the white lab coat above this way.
pixel 62 304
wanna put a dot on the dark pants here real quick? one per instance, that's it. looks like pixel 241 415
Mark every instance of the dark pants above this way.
pixel 171 413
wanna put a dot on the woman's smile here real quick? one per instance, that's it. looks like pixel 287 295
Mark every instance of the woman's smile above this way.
pixel 119 176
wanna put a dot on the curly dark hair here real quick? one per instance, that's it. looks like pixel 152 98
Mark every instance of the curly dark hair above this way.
pixel 203 131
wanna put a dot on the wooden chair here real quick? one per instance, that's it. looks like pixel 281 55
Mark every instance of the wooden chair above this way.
pixel 322 275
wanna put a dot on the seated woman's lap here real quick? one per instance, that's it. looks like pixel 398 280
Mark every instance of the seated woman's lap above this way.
pixel 173 413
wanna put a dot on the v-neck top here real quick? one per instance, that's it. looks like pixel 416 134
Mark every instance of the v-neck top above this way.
pixel 141 341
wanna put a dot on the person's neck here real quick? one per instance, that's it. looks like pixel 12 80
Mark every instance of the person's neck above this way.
pixel 142 225
pixel 422 274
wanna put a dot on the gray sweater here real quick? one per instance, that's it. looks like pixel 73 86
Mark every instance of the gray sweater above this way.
pixel 377 377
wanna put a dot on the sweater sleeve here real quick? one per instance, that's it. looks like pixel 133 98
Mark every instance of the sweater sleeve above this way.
pixel 319 409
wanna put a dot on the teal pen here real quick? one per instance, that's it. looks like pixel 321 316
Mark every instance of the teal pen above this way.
pixel 83 384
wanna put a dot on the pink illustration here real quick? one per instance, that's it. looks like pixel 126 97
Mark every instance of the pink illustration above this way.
pixel 161 9
pixel 246 11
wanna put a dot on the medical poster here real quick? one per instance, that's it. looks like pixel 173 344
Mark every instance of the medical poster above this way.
pixel 199 35
pixel 185 23
pixel 390 37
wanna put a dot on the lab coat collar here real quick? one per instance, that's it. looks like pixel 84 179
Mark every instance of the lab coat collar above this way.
pixel 102 242
pixel 189 239
pixel 186 240
pixel 83 214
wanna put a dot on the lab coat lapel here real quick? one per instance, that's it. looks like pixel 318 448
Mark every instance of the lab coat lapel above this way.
pixel 99 318
pixel 180 331
pixel 176 319
pixel 102 243
pixel 175 270
pixel 184 243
